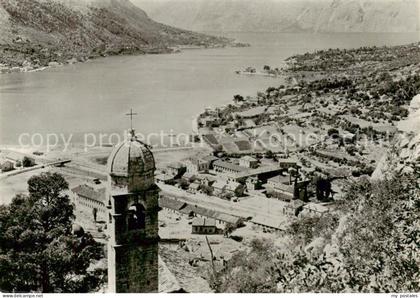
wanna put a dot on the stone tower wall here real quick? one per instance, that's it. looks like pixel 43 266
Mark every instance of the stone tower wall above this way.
pixel 133 254
pixel 137 268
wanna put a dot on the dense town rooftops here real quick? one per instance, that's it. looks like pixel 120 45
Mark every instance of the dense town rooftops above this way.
pixel 187 209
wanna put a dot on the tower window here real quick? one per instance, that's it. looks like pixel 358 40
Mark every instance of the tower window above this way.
pixel 136 217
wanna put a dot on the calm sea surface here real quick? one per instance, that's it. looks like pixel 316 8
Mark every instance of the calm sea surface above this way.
pixel 166 90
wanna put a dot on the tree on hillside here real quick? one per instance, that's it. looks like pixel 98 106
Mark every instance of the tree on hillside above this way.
pixel 380 245
pixel 238 98
pixel 38 251
pixel 27 162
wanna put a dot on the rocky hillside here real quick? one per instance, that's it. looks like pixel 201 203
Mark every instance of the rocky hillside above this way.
pixel 34 33
pixel 287 15
pixel 404 155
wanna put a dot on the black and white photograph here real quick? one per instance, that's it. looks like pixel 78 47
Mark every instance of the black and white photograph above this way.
pixel 209 146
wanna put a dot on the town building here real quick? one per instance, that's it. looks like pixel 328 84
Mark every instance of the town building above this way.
pixel 262 173
pixel 220 166
pixel 175 169
pixel 228 187
pixel 219 187
pixel 285 187
pixel 251 113
pixel 286 163
pixel 208 180
pixel 199 165
pixel 132 218
pixel 210 159
pixel 253 183
pixel 165 178
pixel 194 187
pixel 7 166
pixel 315 209
pixel 180 207
pixel 28 161
pixel 248 123
pixel 90 200
pixel 209 121
pixel 196 165
pixel 190 176
pixel 281 187
pixel 248 162
pixel 348 138
pixel 171 204
pixel 204 226
pixel 294 208
pixel 235 189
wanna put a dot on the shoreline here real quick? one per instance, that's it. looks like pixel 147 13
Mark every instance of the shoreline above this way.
pixel 27 67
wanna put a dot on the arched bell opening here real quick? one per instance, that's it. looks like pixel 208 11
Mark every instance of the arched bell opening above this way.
pixel 136 217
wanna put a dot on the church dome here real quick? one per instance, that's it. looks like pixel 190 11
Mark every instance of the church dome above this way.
pixel 131 158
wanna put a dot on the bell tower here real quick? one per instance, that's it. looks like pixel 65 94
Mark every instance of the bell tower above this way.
pixel 133 219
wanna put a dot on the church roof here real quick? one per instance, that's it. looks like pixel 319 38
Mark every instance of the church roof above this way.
pixel 129 157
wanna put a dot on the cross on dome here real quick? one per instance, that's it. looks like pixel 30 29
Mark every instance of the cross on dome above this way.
pixel 131 114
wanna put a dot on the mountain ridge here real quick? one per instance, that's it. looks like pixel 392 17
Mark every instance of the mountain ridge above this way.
pixel 35 33
pixel 287 16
